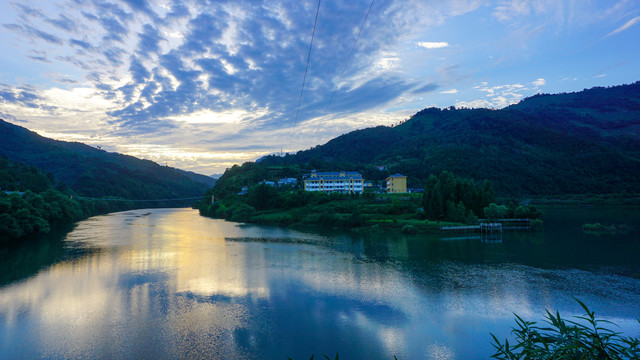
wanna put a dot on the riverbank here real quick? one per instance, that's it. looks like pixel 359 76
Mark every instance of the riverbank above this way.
pixel 27 215
pixel 586 200
pixel 369 212
pixel 397 212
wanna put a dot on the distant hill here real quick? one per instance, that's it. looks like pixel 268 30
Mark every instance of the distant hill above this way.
pixel 97 173
pixel 583 142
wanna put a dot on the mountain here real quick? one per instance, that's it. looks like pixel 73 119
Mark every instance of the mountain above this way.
pixel 583 142
pixel 96 173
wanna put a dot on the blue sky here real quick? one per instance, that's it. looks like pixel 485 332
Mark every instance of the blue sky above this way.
pixel 202 85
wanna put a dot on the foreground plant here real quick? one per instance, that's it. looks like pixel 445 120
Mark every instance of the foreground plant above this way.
pixel 566 339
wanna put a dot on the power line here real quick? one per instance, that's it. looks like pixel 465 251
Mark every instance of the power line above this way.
pixel 353 48
pixel 93 198
pixel 304 79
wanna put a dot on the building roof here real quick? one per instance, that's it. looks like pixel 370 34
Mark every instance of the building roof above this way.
pixel 396 175
pixel 335 175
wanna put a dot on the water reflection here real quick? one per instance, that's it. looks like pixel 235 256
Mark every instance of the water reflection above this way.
pixel 171 284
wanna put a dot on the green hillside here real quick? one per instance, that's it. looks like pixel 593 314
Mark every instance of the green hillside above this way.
pixel 577 143
pixel 96 173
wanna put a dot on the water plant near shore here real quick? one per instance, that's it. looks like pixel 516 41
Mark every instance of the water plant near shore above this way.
pixel 585 338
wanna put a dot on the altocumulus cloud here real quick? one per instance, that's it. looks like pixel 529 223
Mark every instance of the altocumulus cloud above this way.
pixel 161 61
pixel 229 72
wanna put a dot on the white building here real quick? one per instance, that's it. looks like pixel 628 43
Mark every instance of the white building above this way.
pixel 287 181
pixel 343 182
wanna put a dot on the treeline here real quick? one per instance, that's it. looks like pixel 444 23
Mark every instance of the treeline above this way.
pixel 452 198
pixel 299 206
pixel 581 143
pixel 26 214
pixel 97 173
pixel 33 203
pixel 455 199
pixel 447 200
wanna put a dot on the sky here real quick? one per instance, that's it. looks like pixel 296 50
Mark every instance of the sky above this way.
pixel 202 85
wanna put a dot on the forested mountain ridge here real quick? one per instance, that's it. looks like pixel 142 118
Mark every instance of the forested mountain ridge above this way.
pixel 583 142
pixel 96 173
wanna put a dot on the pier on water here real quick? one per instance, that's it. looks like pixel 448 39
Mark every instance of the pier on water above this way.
pixel 494 225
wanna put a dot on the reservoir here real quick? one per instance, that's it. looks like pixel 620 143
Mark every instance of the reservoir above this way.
pixel 168 283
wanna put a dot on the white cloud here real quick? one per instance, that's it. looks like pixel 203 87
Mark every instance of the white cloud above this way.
pixel 432 45
pixel 624 27
pixel 539 82
pixel 224 117
pixel 452 91
pixel 600 76
pixel 496 97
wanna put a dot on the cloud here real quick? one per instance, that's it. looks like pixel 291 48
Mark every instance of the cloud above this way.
pixel 624 27
pixel 225 117
pixel 142 6
pixel 83 44
pixel 229 72
pixel 432 45
pixel 62 22
pixel 539 82
pixel 24 97
pixel 33 33
pixel 27 11
pixel 149 41
pixel 426 88
pixel 496 97
pixel 37 55
pixel 39 58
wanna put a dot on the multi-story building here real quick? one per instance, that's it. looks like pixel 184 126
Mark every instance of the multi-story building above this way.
pixel 396 184
pixel 344 182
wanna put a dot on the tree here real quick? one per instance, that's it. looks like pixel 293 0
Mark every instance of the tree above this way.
pixel 263 197
pixel 446 195
pixel 493 211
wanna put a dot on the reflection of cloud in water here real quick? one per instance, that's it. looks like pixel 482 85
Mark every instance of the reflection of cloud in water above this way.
pixel 174 284
pixel 439 352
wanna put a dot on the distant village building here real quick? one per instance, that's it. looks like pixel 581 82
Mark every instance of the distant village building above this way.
pixel 244 190
pixel 343 182
pixel 287 181
pixel 397 184
pixel 266 182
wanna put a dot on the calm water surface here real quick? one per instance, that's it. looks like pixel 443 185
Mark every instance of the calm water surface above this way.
pixel 167 283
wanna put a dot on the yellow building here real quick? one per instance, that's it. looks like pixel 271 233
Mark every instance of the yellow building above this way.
pixel 397 184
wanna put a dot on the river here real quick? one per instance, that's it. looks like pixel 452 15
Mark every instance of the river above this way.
pixel 168 283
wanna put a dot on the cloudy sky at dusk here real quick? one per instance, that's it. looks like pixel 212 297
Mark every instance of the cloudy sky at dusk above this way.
pixel 202 85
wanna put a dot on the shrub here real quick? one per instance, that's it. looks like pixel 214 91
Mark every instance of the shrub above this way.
pixel 536 224
pixel 566 339
pixel 409 229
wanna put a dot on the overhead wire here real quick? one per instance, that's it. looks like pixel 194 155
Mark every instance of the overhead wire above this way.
pixel 353 48
pixel 304 79
pixel 103 199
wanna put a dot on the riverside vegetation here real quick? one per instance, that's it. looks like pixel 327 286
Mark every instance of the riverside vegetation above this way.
pixel 447 200
pixel 37 203
pixel 586 337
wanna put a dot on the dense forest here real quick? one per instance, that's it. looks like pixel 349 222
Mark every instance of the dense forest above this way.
pixel 577 143
pixel 33 203
pixel 96 173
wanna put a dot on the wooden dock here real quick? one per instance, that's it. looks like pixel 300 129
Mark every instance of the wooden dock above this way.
pixel 493 225
pixel 483 227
